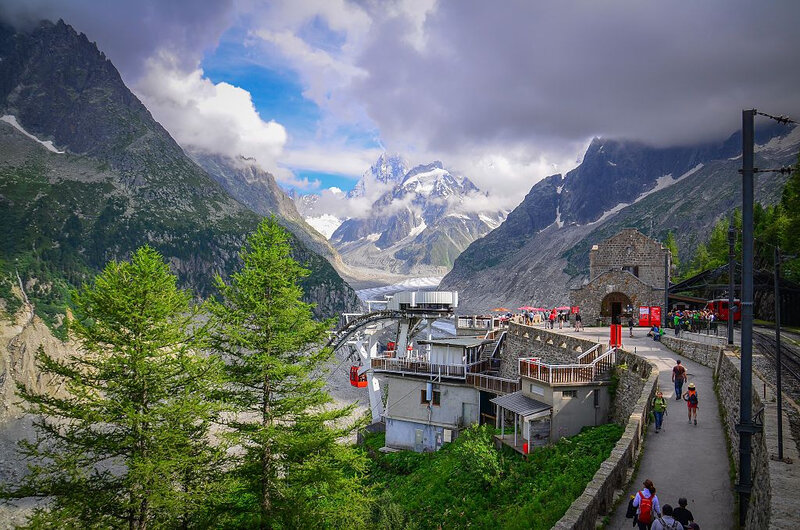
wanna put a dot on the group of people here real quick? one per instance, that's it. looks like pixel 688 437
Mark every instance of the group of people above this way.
pixel 690 320
pixel 659 403
pixel 549 318
pixel 648 514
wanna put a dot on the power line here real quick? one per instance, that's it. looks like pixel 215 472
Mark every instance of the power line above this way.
pixel 780 119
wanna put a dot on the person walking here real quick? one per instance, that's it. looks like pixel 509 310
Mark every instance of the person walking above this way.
pixel 676 321
pixel 630 325
pixel 690 396
pixel 552 319
pixel 659 405
pixel 678 377
pixel 681 514
pixel 578 323
pixel 666 521
pixel 647 507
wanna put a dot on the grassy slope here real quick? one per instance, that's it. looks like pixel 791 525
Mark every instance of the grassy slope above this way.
pixel 470 484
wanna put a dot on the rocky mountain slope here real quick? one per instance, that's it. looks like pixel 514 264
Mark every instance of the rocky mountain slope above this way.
pixel 418 226
pixel 541 250
pixel 384 174
pixel 257 189
pixel 114 178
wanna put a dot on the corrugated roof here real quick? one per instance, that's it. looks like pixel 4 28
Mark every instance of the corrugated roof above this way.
pixel 520 404
pixel 462 342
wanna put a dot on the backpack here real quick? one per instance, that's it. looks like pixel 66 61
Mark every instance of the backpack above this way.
pixel 645 509
pixel 693 398
pixel 668 526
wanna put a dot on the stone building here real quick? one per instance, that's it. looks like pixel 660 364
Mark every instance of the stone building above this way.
pixel 625 271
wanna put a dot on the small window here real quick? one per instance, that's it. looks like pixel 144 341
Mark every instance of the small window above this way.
pixel 596 398
pixel 633 269
pixel 537 390
pixel 437 398
pixel 569 394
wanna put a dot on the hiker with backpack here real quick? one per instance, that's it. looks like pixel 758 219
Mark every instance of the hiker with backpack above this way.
pixel 666 521
pixel 659 405
pixel 678 377
pixel 690 396
pixel 646 504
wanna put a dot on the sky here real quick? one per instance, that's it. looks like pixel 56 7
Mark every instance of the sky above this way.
pixel 503 92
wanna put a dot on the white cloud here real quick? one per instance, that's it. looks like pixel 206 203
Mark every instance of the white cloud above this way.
pixel 330 158
pixel 219 118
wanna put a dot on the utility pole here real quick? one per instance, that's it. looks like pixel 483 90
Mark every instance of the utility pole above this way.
pixel 778 367
pixel 746 427
pixel 666 291
pixel 731 277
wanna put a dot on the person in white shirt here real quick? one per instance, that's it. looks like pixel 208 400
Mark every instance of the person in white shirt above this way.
pixel 666 521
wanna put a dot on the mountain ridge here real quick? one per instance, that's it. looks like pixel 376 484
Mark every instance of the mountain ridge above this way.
pixel 136 184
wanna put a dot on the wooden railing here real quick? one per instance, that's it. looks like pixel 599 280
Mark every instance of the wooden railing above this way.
pixel 407 366
pixel 567 373
pixel 498 385
pixel 590 355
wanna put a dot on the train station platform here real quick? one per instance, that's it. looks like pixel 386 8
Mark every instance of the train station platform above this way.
pixel 682 460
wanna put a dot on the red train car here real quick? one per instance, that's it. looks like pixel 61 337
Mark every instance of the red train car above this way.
pixel 719 307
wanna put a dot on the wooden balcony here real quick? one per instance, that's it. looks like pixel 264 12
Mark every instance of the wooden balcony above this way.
pixel 419 367
pixel 555 374
pixel 493 384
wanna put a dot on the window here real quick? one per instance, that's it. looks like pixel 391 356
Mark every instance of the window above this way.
pixel 596 398
pixel 569 394
pixel 437 398
pixel 537 390
pixel 633 269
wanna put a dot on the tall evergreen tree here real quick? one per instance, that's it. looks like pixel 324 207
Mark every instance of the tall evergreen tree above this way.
pixel 672 246
pixel 125 443
pixel 292 471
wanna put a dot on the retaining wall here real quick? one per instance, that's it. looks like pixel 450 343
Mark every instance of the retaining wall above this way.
pixel 531 341
pixel 598 497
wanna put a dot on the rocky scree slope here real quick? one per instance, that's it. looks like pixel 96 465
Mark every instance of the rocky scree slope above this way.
pixel 122 181
pixel 541 250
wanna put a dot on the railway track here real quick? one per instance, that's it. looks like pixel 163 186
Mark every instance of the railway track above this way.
pixel 764 340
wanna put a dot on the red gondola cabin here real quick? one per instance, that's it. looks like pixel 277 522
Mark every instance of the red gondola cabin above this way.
pixel 358 381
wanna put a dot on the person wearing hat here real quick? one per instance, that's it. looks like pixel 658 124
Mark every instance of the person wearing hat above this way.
pixel 659 409
pixel 690 396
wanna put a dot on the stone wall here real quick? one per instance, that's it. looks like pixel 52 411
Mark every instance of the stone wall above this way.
pixel 598 497
pixel 705 354
pixel 590 297
pixel 772 502
pixel 632 372
pixel 629 248
pixel 530 341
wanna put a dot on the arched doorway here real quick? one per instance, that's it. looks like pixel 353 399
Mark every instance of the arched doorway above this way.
pixel 613 305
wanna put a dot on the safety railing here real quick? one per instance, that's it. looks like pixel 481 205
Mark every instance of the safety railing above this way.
pixel 491 383
pixel 552 374
pixel 418 367
pixel 590 355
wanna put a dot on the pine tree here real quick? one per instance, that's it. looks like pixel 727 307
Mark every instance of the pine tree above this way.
pixel 672 246
pixel 125 443
pixel 292 471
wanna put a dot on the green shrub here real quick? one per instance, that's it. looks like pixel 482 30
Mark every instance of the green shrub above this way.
pixel 468 483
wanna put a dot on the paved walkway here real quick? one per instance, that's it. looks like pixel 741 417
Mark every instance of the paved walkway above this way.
pixel 682 460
